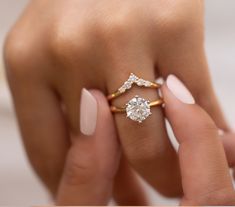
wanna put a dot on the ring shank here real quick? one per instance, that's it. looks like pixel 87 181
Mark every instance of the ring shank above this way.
pixel 115 109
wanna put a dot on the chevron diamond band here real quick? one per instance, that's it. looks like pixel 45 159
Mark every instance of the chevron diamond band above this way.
pixel 133 79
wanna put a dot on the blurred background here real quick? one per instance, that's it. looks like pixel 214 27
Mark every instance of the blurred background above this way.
pixel 19 185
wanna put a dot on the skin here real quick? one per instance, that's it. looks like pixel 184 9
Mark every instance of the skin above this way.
pixel 58 47
pixel 203 165
pixel 204 168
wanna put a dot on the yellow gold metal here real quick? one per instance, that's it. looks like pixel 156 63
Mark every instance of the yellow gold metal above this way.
pixel 113 95
pixel 118 93
pixel 157 102
pixel 115 109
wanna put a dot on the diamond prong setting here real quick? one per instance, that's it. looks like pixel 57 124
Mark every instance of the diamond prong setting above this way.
pixel 138 109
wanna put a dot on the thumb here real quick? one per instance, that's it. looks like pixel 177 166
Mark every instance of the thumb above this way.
pixel 204 170
pixel 93 158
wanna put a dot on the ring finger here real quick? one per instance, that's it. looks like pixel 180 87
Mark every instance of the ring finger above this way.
pixel 146 145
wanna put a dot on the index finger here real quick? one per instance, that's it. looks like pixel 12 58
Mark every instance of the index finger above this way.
pixel 204 170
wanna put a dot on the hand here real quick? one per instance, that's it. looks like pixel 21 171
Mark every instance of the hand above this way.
pixel 203 165
pixel 58 47
pixel 204 169
pixel 91 171
pixel 92 162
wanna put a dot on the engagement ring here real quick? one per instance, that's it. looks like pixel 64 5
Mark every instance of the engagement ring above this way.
pixel 138 108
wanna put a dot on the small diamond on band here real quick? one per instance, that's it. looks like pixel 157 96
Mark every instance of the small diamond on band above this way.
pixel 134 79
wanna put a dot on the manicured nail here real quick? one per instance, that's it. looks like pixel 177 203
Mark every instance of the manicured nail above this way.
pixel 179 90
pixel 88 113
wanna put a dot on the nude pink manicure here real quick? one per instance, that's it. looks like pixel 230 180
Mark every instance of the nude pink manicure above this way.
pixel 179 90
pixel 88 113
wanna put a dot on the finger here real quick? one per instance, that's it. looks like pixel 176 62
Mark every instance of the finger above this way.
pixel 92 160
pixel 146 145
pixel 183 55
pixel 204 170
pixel 128 190
pixel 42 127
pixel 228 140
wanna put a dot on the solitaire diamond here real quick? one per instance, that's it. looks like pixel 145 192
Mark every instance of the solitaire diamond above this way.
pixel 138 109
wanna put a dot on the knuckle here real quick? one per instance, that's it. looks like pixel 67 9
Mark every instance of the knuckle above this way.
pixel 66 44
pixel 78 170
pixel 202 126
pixel 181 18
pixel 17 52
pixel 207 129
pixel 114 28
pixel 142 151
pixel 59 41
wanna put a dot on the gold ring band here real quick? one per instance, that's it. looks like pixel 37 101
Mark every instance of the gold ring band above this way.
pixel 115 109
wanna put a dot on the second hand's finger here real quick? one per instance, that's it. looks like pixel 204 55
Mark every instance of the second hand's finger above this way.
pixel 128 190
pixel 93 158
pixel 205 174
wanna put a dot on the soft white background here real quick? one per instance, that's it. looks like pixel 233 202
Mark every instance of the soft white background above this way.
pixel 18 184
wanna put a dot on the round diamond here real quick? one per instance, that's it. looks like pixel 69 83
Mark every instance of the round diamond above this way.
pixel 132 78
pixel 147 83
pixel 127 84
pixel 122 90
pixel 138 109
pixel 140 82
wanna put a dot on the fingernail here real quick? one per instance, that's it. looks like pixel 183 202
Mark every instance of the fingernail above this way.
pixel 179 90
pixel 88 113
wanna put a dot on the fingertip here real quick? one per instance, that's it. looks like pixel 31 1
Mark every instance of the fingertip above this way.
pixel 175 89
pixel 103 105
pixel 171 103
pixel 88 113
pixel 94 110
pixel 100 97
pixel 184 115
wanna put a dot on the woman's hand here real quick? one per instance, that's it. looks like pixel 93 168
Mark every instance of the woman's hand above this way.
pixel 203 165
pixel 92 162
pixel 58 47
pixel 204 168
pixel 93 169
